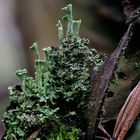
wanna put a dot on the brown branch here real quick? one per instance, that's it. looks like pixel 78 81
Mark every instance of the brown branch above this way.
pixel 101 83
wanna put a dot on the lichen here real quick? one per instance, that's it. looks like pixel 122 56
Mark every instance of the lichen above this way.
pixel 56 94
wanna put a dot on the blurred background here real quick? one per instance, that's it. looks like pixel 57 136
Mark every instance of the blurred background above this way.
pixel 23 22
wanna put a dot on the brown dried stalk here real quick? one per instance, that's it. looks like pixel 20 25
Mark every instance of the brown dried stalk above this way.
pixel 100 84
pixel 128 114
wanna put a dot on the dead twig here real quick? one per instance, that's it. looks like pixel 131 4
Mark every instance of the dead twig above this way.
pixel 100 84
pixel 101 128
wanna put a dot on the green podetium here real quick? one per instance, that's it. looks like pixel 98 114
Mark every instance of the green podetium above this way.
pixel 69 18
pixel 76 28
pixel 34 47
pixel 39 68
pixel 22 74
pixel 60 30
pixel 73 26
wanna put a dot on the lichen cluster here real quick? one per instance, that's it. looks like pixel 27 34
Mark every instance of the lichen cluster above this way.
pixel 50 102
